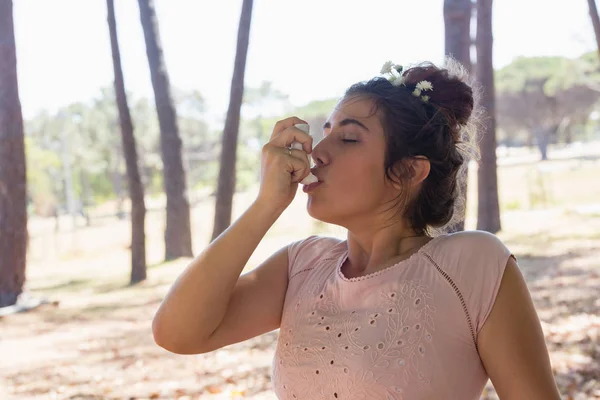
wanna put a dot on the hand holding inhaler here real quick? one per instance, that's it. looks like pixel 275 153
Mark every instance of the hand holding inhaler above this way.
pixel 295 145
pixel 285 159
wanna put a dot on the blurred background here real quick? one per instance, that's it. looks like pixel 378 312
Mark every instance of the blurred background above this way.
pixel 131 133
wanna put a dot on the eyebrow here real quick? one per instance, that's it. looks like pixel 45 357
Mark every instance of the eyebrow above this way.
pixel 347 121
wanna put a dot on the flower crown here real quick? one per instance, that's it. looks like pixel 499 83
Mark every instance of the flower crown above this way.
pixel 394 75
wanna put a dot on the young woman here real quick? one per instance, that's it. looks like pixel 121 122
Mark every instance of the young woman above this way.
pixel 393 311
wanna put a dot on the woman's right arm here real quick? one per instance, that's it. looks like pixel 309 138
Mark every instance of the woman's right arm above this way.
pixel 210 305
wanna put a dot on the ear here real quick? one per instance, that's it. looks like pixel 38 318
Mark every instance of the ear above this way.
pixel 419 167
pixel 416 169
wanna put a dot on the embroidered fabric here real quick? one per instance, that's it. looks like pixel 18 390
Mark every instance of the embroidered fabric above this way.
pixel 406 332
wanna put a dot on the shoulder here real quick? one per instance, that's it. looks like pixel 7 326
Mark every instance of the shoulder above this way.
pixel 306 252
pixel 473 263
pixel 471 238
pixel 468 247
pixel 314 243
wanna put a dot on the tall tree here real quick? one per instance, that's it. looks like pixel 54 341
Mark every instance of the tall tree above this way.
pixel 543 100
pixel 226 182
pixel 457 23
pixel 136 189
pixel 457 30
pixel 595 21
pixel 13 181
pixel 178 237
pixel 488 209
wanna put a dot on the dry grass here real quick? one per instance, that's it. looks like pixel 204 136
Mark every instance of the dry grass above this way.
pixel 97 342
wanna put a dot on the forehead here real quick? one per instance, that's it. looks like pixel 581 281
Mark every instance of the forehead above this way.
pixel 357 107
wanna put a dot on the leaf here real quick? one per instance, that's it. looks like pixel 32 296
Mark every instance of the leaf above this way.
pixel 392 324
pixel 430 322
pixel 213 389
pixel 414 362
pixel 404 316
pixel 180 392
pixel 388 336
pixel 369 377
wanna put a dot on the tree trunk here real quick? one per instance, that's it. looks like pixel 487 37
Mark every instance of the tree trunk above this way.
pixel 542 135
pixel 457 22
pixel 226 182
pixel 595 21
pixel 136 189
pixel 85 196
pixel 488 210
pixel 178 237
pixel 13 182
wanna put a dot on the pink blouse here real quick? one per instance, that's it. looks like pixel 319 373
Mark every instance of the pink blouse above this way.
pixel 406 332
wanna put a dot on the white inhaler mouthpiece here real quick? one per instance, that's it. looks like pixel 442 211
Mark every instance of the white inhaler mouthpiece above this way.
pixel 296 145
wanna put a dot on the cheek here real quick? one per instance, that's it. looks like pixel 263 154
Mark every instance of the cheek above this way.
pixel 358 174
pixel 359 184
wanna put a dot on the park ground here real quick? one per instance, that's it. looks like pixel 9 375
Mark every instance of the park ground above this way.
pixel 93 339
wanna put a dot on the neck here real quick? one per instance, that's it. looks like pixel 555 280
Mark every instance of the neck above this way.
pixel 369 252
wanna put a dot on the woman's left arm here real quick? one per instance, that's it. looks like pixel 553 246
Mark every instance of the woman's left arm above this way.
pixel 511 343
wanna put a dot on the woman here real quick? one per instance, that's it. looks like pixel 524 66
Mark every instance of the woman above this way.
pixel 392 312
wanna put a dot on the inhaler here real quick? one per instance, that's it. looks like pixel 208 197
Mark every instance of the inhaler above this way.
pixel 296 145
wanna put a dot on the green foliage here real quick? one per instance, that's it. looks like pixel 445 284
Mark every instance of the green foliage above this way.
pixel 546 99
pixel 42 166
pixel 264 100
pixel 87 137
pixel 247 167
pixel 317 108
pixel 555 73
pixel 518 75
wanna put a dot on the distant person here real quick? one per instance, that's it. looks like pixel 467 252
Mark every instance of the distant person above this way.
pixel 394 311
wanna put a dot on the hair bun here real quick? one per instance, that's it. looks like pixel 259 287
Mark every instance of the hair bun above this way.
pixel 450 94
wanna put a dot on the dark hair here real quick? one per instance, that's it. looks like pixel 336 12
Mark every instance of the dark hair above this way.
pixel 435 129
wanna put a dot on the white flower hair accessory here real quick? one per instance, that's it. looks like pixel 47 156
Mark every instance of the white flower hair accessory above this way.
pixel 421 87
pixel 394 75
pixel 387 68
pixel 393 72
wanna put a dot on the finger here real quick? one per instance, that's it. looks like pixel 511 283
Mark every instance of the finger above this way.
pixel 300 168
pixel 284 124
pixel 292 134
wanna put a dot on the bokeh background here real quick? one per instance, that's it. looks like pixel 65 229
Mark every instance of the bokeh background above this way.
pixel 138 155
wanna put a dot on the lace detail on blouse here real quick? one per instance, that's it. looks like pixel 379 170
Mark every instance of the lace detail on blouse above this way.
pixel 374 352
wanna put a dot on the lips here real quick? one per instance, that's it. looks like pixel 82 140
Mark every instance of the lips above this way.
pixel 315 171
pixel 309 188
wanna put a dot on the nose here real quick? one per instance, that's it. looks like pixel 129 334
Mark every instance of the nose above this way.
pixel 318 155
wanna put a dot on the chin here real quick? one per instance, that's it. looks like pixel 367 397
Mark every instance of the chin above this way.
pixel 323 211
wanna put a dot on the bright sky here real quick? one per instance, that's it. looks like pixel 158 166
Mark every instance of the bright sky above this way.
pixel 309 49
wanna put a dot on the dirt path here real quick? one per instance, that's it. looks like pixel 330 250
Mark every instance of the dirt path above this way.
pixel 97 343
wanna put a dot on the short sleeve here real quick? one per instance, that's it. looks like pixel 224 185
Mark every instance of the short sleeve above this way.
pixel 475 261
pixel 294 249
pixel 492 267
pixel 304 254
